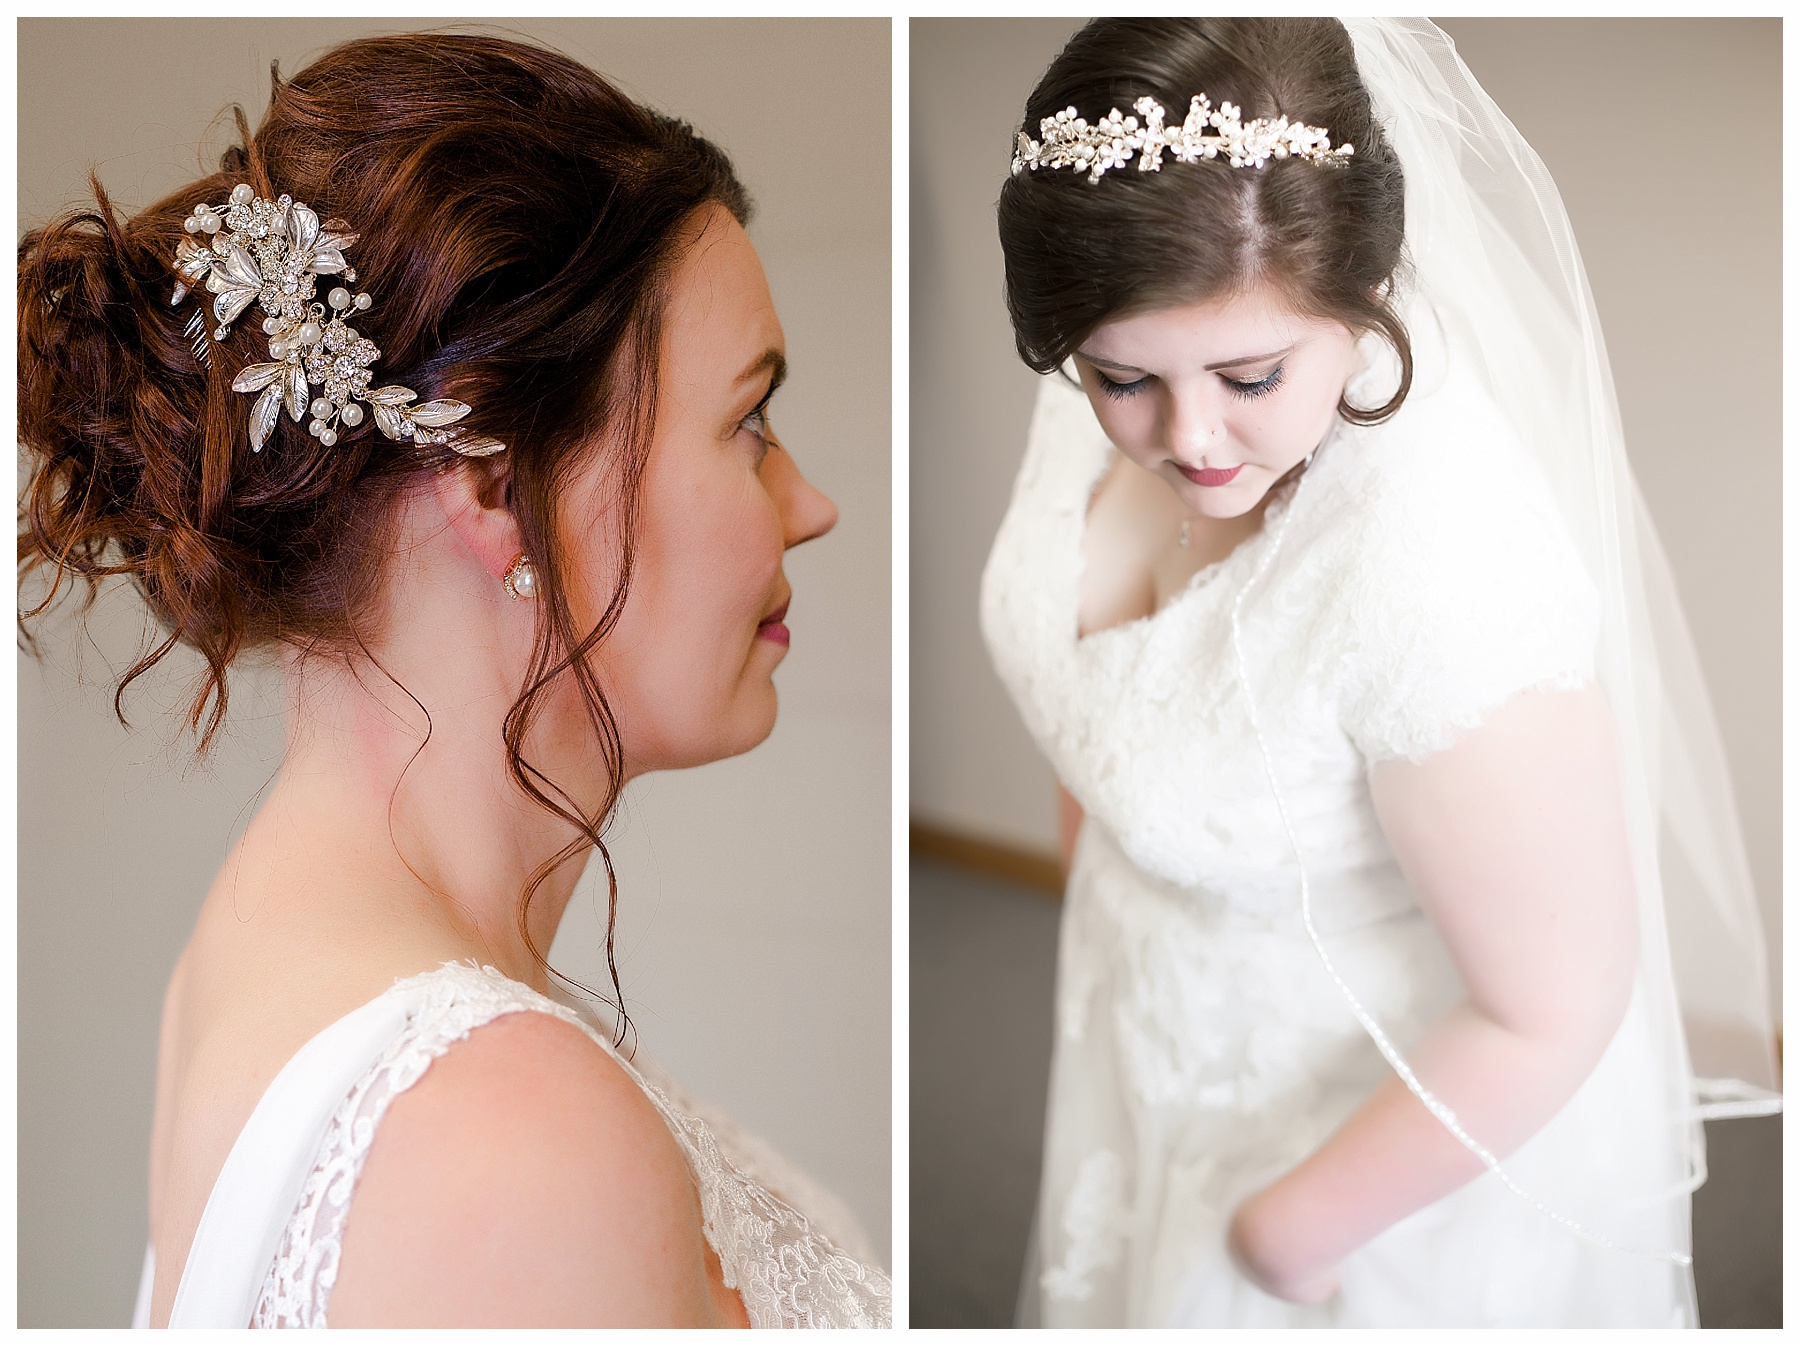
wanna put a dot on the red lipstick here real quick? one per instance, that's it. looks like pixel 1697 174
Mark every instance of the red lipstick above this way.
pixel 1208 476
pixel 773 626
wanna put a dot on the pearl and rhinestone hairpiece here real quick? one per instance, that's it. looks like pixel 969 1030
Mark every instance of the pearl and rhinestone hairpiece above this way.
pixel 1069 142
pixel 273 252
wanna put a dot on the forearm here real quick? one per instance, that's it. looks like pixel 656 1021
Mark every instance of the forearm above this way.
pixel 1514 842
pixel 1391 1157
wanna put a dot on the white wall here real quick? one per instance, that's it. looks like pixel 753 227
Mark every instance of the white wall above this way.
pixel 974 769
pixel 1681 231
pixel 754 916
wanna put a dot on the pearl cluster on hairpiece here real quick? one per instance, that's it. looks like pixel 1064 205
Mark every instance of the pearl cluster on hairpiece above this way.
pixel 272 253
pixel 1070 142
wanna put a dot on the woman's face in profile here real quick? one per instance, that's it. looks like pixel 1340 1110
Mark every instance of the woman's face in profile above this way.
pixel 1220 399
pixel 688 670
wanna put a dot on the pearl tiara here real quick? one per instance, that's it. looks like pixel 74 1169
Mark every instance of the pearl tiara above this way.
pixel 1069 142
pixel 272 253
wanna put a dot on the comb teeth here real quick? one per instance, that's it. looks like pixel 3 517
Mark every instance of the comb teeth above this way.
pixel 196 328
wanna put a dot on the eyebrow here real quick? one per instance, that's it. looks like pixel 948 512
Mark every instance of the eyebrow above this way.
pixel 1217 364
pixel 772 362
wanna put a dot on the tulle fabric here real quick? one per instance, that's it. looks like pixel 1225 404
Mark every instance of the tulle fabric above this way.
pixel 1496 270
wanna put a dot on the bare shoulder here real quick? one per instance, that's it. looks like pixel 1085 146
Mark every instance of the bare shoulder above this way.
pixel 525 1180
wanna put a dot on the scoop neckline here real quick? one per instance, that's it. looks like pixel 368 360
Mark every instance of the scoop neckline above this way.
pixel 1201 578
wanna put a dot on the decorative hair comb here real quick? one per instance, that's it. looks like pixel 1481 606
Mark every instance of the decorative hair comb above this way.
pixel 273 252
pixel 1069 142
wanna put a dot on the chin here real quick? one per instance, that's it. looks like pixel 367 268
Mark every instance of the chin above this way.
pixel 1229 509
pixel 738 728
pixel 1213 502
pixel 757 725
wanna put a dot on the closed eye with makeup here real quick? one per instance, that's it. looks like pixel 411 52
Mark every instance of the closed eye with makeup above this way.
pixel 1220 399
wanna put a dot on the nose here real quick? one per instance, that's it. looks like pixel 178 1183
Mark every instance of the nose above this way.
pixel 1194 423
pixel 806 511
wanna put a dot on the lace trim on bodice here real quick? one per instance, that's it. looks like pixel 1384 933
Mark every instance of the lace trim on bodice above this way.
pixel 1427 578
pixel 787 1272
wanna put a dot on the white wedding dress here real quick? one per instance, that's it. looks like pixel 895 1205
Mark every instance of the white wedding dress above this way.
pixel 1201 1049
pixel 266 1250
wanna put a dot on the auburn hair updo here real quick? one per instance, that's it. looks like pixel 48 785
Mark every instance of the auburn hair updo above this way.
pixel 518 220
pixel 1326 237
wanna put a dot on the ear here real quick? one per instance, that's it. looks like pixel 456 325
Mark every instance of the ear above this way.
pixel 475 495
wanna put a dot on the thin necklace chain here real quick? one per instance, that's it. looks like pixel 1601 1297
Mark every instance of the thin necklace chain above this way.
pixel 1436 1106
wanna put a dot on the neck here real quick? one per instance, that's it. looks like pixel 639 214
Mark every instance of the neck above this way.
pixel 395 829
pixel 424 834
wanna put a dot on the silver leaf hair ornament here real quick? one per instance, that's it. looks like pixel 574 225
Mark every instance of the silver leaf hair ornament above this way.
pixel 272 253
pixel 1207 133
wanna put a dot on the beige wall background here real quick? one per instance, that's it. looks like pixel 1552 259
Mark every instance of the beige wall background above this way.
pixel 754 930
pixel 1683 249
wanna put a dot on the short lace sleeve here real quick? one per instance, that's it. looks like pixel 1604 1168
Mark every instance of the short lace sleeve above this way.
pixel 1463 587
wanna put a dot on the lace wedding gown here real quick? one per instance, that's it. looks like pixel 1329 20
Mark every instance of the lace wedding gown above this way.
pixel 1201 1049
pixel 266 1250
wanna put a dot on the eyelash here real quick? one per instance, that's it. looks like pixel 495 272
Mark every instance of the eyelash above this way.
pixel 757 423
pixel 1120 391
pixel 1262 387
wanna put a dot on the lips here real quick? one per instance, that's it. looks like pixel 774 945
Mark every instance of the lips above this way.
pixel 773 627
pixel 1208 476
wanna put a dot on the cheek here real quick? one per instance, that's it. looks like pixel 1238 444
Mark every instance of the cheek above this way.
pixel 685 655
pixel 710 552
pixel 1272 423
pixel 1131 423
pixel 1282 427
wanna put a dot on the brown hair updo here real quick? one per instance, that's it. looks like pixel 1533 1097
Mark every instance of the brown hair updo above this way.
pixel 1327 237
pixel 518 219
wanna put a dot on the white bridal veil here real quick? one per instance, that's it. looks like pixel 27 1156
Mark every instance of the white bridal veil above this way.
pixel 1497 287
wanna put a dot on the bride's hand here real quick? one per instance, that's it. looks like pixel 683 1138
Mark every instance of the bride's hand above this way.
pixel 1268 1260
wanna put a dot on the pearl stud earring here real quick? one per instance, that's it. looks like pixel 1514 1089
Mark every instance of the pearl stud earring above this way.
pixel 520 580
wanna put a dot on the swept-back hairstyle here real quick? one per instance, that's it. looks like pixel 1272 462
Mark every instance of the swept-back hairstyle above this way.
pixel 519 218
pixel 1327 237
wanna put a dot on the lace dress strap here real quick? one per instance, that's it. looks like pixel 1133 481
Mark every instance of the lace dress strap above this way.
pixel 787 1274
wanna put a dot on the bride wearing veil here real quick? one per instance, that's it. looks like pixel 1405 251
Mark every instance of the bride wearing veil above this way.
pixel 1408 937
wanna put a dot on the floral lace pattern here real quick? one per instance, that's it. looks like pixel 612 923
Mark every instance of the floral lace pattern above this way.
pixel 787 1272
pixel 1424 581
pixel 1092 1223
pixel 1201 1049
